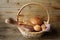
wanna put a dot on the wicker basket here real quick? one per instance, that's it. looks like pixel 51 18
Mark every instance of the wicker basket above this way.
pixel 32 34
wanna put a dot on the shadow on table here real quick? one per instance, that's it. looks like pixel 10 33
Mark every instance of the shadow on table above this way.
pixel 52 34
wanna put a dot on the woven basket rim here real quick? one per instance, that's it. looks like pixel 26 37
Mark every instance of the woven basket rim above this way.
pixel 30 32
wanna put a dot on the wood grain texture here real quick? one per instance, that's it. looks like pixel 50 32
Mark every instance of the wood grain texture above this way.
pixel 10 8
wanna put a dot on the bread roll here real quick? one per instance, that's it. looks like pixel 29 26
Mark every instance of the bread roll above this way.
pixel 37 28
pixel 36 21
pixel 43 27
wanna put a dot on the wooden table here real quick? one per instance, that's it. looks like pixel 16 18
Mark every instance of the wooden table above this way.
pixel 10 32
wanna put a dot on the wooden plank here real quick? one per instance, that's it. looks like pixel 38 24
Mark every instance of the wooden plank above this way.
pixel 2 1
pixel 10 5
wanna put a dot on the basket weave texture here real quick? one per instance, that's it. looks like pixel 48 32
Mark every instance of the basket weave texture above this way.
pixel 32 34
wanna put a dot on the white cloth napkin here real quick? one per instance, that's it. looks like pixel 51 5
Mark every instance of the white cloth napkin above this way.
pixel 48 27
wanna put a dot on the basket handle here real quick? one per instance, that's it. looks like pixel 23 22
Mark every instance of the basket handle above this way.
pixel 38 4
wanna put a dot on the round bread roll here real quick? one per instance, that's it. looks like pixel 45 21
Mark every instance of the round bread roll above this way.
pixel 43 27
pixel 36 21
pixel 37 28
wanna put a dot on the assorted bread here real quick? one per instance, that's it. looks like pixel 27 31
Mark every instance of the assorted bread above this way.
pixel 36 24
